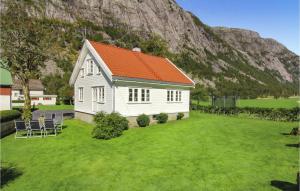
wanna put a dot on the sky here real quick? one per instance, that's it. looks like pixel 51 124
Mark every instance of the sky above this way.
pixel 277 19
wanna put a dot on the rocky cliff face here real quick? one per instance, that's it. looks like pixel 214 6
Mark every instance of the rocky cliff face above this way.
pixel 233 55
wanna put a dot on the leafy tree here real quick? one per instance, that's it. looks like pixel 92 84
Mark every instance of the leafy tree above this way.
pixel 199 93
pixel 23 44
pixel 155 45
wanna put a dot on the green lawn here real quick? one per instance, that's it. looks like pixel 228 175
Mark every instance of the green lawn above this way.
pixel 204 152
pixel 264 103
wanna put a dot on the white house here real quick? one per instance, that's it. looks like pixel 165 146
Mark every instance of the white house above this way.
pixel 111 79
pixel 36 92
pixel 5 89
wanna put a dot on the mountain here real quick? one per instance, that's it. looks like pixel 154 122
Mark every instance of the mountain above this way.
pixel 224 60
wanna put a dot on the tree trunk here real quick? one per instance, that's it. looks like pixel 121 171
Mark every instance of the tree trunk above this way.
pixel 27 103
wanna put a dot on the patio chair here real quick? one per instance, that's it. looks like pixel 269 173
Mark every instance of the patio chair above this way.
pixel 49 126
pixel 58 121
pixel 48 116
pixel 35 127
pixel 21 126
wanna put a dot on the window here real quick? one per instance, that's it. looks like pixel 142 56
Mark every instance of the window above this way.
pixel 130 95
pixel 34 98
pixel 46 98
pixel 90 66
pixel 82 72
pixel 80 94
pixel 173 95
pixel 98 70
pixel 98 94
pixel 179 96
pixel 133 95
pixel 145 95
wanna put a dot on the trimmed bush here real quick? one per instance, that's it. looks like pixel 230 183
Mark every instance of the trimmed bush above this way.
pixel 162 118
pixel 109 125
pixel 8 115
pixel 180 116
pixel 143 120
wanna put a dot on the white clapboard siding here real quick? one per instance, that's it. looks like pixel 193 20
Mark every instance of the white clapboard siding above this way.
pixel 158 102
pixel 88 82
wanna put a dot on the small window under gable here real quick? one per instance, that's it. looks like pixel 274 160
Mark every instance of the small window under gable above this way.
pixel 90 67
pixel 98 70
pixel 81 73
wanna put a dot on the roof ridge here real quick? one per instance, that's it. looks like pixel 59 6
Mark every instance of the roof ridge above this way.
pixel 126 49
pixel 150 69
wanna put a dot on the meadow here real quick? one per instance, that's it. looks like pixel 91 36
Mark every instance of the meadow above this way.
pixel 263 102
pixel 204 152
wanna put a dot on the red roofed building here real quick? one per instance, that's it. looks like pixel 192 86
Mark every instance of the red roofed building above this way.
pixel 111 79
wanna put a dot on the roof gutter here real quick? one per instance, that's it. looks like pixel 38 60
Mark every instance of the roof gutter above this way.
pixel 151 82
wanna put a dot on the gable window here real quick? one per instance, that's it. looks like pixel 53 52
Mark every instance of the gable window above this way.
pixel 98 70
pixel 90 67
pixel 80 94
pixel 81 73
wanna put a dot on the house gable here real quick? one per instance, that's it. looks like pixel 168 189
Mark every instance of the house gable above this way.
pixel 88 49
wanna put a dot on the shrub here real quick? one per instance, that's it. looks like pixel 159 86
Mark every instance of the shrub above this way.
pixel 143 120
pixel 280 114
pixel 180 116
pixel 109 125
pixel 8 115
pixel 162 118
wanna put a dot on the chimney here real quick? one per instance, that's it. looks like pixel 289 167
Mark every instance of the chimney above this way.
pixel 136 49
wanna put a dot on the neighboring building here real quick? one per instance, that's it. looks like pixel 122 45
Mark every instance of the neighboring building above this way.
pixel 111 79
pixel 36 93
pixel 5 89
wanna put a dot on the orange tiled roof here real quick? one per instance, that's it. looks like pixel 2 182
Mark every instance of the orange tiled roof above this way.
pixel 131 64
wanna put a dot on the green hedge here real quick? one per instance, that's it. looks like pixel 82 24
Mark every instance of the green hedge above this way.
pixel 143 120
pixel 275 114
pixel 8 115
pixel 17 101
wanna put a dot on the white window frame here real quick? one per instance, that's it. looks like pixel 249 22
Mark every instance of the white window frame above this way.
pixel 81 73
pixel 98 70
pixel 80 94
pixel 90 67
pixel 145 95
pixel 98 94
pixel 174 96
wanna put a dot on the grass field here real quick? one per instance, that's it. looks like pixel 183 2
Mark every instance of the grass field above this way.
pixel 264 103
pixel 204 152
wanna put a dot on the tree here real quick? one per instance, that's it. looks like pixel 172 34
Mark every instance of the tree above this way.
pixel 23 44
pixel 199 93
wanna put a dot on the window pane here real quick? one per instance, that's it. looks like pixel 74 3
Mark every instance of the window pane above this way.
pixel 102 94
pixel 168 95
pixel 135 94
pixel 130 95
pixel 179 95
pixel 171 95
pixel 143 94
pixel 176 98
pixel 148 95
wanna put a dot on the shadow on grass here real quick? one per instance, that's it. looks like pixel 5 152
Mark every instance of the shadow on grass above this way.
pixel 8 174
pixel 297 145
pixel 284 186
